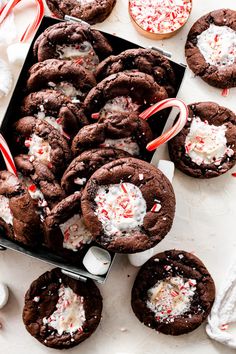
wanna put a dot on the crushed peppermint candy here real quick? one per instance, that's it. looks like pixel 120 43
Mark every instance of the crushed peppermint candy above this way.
pixel 5 211
pixel 38 147
pixel 218 45
pixel 36 299
pixel 171 297
pixel 140 176
pixel 69 315
pixel 120 208
pixel 75 233
pixel 67 89
pixel 206 143
pixel 156 208
pixel 120 104
pixel 126 144
pixel 80 181
pixel 160 16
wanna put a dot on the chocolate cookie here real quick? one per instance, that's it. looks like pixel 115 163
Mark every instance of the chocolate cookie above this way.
pixel 122 131
pixel 61 312
pixel 128 205
pixel 205 147
pixel 70 40
pixel 123 92
pixel 55 108
pixel 210 49
pixel 66 233
pixel 91 11
pixel 40 181
pixel 83 166
pixel 42 143
pixel 66 76
pixel 141 59
pixel 173 293
pixel 18 215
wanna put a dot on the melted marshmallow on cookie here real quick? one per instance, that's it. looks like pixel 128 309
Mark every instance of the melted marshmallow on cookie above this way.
pixel 69 315
pixel 171 297
pixel 120 104
pixel 206 143
pixel 38 147
pixel 120 208
pixel 218 45
pixel 126 144
pixel 66 88
pixel 75 233
pixel 5 211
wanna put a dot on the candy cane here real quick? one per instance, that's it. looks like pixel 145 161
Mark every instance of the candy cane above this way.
pixel 7 156
pixel 168 103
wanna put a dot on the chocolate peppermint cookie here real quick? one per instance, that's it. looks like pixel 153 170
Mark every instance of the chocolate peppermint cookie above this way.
pixel 128 205
pixel 65 231
pixel 211 48
pixel 66 76
pixel 123 92
pixel 124 131
pixel 18 215
pixel 173 293
pixel 83 166
pixel 56 109
pixel 61 312
pixel 91 11
pixel 205 147
pixel 42 143
pixel 70 40
pixel 142 59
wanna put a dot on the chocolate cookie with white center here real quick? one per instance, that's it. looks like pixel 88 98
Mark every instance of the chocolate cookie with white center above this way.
pixel 56 109
pixel 61 312
pixel 83 166
pixel 143 60
pixel 128 205
pixel 19 219
pixel 41 142
pixel 211 48
pixel 205 147
pixel 173 293
pixel 66 76
pixel 72 41
pixel 124 131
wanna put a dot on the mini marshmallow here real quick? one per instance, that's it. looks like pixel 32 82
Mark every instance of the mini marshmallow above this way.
pixel 6 79
pixel 4 295
pixel 97 260
pixel 17 52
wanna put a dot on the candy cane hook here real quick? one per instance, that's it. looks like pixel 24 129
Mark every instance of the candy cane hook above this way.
pixel 7 156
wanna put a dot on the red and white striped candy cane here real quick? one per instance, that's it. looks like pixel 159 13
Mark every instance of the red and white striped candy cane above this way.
pixel 168 103
pixel 7 156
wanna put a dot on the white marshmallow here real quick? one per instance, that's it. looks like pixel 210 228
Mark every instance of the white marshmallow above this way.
pixel 4 295
pixel 97 260
pixel 6 79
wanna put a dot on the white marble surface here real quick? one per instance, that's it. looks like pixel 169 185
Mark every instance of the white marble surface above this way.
pixel 204 224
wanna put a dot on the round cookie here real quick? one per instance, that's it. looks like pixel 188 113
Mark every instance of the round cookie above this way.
pixel 83 166
pixel 18 215
pixel 121 131
pixel 141 59
pixel 56 109
pixel 128 205
pixel 40 181
pixel 210 48
pixel 91 11
pixel 123 92
pixel 66 76
pixel 70 40
pixel 42 143
pixel 61 312
pixel 205 147
pixel 173 293
pixel 65 231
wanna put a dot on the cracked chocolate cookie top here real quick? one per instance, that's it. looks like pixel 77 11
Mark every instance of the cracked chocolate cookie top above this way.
pixel 91 11
pixel 211 48
pixel 173 293
pixel 123 92
pixel 122 131
pixel 83 166
pixel 61 312
pixel 128 205
pixel 144 60
pixel 18 215
pixel 56 109
pixel 66 76
pixel 205 147
pixel 70 40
